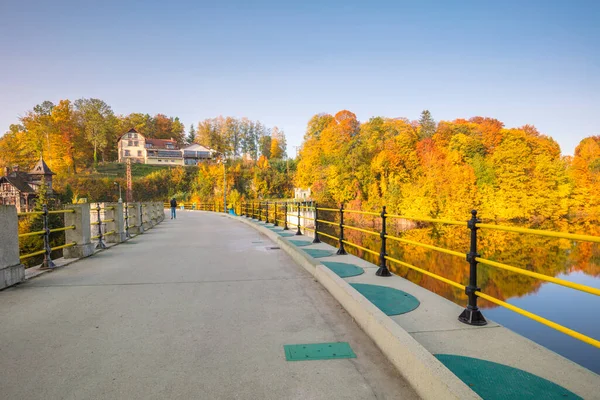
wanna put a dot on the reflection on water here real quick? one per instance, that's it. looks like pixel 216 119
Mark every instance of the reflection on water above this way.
pixel 573 261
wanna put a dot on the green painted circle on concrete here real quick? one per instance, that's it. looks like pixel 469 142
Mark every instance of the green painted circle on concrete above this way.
pixel 285 234
pixel 389 300
pixel 493 381
pixel 317 253
pixel 300 243
pixel 343 270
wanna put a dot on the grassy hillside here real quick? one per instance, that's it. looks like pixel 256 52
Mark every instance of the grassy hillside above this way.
pixel 118 170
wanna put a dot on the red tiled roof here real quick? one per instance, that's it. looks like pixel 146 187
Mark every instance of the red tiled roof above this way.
pixel 162 143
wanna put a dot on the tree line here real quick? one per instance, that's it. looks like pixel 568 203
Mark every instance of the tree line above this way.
pixel 424 168
pixel 76 135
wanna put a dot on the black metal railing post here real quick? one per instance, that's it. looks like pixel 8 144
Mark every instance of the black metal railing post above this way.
pixel 267 212
pixel 100 242
pixel 316 239
pixel 341 251
pixel 48 263
pixel 383 269
pixel 298 231
pixel 285 214
pixel 275 216
pixel 127 235
pixel 472 315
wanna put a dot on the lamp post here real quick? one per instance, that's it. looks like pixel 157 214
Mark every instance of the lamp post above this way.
pixel 119 185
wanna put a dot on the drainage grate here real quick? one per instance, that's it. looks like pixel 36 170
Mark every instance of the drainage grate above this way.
pixel 273 248
pixel 318 351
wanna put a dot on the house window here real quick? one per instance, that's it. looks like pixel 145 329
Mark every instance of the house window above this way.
pixel 135 136
pixel 129 135
pixel 159 160
pixel 139 153
pixel 169 146
pixel 136 143
pixel 127 153
pixel 129 143
pixel 148 145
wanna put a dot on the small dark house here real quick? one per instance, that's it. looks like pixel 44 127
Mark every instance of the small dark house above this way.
pixel 20 188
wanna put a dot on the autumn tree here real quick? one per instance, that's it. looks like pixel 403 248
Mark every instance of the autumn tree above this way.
pixel 98 121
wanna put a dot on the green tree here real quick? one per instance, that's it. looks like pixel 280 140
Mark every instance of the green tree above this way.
pixel 427 125
pixel 98 122
pixel 191 138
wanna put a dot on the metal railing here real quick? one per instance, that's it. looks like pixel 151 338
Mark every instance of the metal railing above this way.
pixel 98 221
pixel 271 211
pixel 45 233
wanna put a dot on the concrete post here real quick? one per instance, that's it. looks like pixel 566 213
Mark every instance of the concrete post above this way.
pixel 147 222
pixel 135 215
pixel 114 211
pixel 11 269
pixel 81 234
pixel 154 215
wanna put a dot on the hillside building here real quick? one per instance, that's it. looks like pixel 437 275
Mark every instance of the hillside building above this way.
pixel 134 146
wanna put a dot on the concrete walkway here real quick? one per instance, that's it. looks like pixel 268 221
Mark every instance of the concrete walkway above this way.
pixel 197 308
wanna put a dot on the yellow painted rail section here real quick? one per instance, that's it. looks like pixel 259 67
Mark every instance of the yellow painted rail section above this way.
pixel 540 232
pixel 541 320
pixel 547 278
pixel 31 233
pixel 360 247
pixel 37 253
pixel 424 219
pixel 24 214
pixel 361 212
pixel 425 272
pixel 361 230
pixel 427 246
pixel 327 209
pixel 327 235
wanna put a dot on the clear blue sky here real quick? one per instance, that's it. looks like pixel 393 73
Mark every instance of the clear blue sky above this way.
pixel 522 62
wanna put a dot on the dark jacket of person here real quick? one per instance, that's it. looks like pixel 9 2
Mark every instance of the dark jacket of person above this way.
pixel 173 203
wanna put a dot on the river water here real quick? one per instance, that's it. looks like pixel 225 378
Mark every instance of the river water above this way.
pixel 572 261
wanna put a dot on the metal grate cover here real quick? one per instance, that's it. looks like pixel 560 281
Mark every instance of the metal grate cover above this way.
pixel 318 351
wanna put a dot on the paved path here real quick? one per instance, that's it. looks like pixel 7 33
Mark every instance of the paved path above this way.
pixel 197 308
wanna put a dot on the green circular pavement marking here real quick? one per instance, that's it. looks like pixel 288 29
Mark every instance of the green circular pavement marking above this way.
pixel 390 301
pixel 493 381
pixel 316 253
pixel 300 243
pixel 343 270
pixel 285 234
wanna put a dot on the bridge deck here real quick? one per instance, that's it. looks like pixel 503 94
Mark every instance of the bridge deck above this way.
pixel 195 308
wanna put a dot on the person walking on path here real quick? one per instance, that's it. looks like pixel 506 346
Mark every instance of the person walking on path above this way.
pixel 173 208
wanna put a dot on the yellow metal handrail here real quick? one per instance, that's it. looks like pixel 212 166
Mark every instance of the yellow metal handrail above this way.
pixel 327 235
pixel 66 211
pixel 360 247
pixel 540 232
pixel 23 214
pixel 362 212
pixel 541 320
pixel 327 209
pixel 31 233
pixel 547 278
pixel 427 246
pixel 37 253
pixel 361 230
pixel 66 228
pixel 424 219
pixel 425 272
pixel 327 222
pixel 64 246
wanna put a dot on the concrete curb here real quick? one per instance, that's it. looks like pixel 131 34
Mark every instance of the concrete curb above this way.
pixel 428 376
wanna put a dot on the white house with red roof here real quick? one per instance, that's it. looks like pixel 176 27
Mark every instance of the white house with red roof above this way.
pixel 134 146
